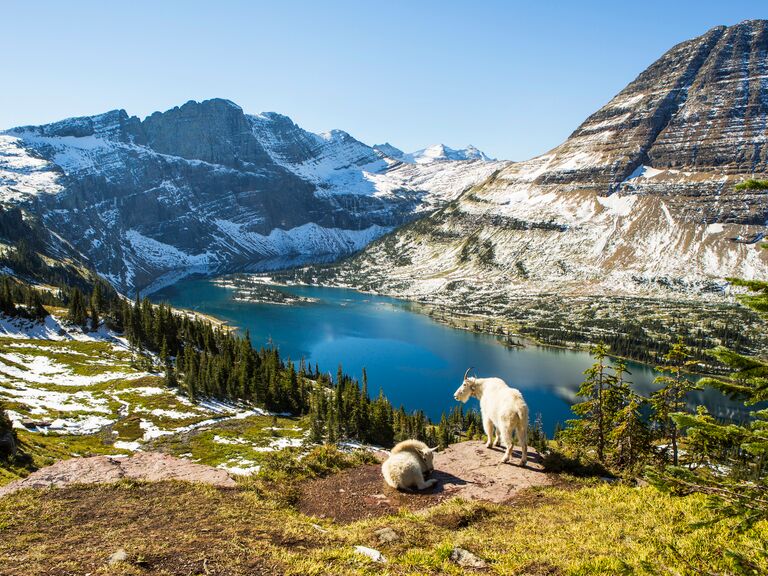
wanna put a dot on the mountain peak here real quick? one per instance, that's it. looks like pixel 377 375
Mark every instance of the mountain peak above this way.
pixel 387 149
pixel 442 153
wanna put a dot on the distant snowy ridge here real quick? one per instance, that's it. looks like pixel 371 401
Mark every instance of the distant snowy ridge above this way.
pixel 205 186
pixel 442 153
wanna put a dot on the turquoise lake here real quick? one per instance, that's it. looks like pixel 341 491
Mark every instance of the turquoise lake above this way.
pixel 417 361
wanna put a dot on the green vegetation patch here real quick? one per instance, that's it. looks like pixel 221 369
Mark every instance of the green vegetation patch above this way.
pixel 245 441
pixel 81 358
pixel 752 184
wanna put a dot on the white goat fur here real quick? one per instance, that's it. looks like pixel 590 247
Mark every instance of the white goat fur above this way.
pixel 407 463
pixel 503 411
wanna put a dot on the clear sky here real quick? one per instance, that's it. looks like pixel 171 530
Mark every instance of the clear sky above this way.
pixel 512 78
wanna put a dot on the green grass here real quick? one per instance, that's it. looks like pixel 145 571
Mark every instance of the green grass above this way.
pixel 81 358
pixel 177 528
pixel 247 435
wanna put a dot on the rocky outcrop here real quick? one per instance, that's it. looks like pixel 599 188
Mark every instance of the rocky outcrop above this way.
pixel 148 466
pixel 215 131
pixel 467 470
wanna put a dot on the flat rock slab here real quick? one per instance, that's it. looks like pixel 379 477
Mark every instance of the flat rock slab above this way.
pixel 467 470
pixel 472 471
pixel 150 466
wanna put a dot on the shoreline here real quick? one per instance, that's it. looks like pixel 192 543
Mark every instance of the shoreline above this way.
pixel 468 322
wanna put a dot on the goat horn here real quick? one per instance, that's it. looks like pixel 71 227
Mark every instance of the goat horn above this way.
pixel 467 372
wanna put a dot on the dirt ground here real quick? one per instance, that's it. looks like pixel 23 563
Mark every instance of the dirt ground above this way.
pixel 468 470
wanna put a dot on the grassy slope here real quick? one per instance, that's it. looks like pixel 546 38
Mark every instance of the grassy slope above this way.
pixel 177 528
pixel 127 401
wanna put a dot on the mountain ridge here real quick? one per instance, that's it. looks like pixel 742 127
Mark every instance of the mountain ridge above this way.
pixel 640 200
pixel 206 186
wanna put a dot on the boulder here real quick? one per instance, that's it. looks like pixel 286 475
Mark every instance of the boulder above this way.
pixel 466 559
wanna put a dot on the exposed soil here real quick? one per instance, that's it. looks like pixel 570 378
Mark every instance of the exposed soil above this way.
pixel 468 470
pixel 150 466
pixel 167 528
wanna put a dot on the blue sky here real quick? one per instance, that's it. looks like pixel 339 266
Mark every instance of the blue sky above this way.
pixel 512 78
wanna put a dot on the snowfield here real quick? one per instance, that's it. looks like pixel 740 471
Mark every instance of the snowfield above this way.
pixel 85 384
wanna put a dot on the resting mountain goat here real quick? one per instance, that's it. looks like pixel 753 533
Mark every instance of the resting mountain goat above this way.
pixel 407 464
pixel 503 411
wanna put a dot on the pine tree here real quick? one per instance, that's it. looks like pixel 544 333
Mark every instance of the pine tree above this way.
pixel 96 303
pixel 7 436
pixel 731 457
pixel 77 313
pixel 591 429
pixel 35 305
pixel 6 297
pixel 670 398
pixel 629 436
pixel 382 431
pixel 317 414
pixel 445 436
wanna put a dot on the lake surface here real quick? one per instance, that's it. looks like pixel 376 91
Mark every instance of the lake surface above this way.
pixel 418 362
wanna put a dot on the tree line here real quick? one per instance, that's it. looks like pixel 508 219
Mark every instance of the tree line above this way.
pixel 204 360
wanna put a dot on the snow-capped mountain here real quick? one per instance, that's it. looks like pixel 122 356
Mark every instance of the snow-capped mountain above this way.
pixel 441 153
pixel 640 199
pixel 205 185
pixel 434 153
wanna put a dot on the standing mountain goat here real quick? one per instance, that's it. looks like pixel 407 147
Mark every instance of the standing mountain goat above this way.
pixel 407 464
pixel 503 410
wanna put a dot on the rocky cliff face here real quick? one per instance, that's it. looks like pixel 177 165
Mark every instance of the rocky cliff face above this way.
pixel 205 185
pixel 640 199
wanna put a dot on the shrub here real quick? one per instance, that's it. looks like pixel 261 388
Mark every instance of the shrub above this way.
pixel 752 184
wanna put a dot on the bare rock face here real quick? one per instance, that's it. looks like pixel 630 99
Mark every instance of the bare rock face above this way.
pixel 215 131
pixel 150 466
pixel 639 200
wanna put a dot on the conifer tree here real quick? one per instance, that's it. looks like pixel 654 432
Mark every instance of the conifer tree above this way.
pixel 6 297
pixel 77 313
pixel 35 305
pixel 592 427
pixel 731 458
pixel 670 398
pixel 96 306
pixel 445 435
pixel 7 435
